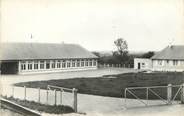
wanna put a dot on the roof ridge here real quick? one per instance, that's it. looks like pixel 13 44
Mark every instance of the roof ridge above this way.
pixel 170 52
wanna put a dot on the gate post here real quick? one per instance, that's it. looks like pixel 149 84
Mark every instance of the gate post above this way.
pixel 169 94
pixel 182 93
pixel 24 92
pixel 38 95
pixel 55 97
pixel 13 91
pixel 75 99
pixel 47 96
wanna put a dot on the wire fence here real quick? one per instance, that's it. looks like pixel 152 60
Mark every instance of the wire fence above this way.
pixel 53 95
pixel 115 65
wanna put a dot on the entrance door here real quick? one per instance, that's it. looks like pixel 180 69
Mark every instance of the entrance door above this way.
pixel 139 65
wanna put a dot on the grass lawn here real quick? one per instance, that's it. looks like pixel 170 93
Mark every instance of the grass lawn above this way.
pixel 114 85
pixel 59 109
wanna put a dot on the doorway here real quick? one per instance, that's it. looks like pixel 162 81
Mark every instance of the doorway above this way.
pixel 139 65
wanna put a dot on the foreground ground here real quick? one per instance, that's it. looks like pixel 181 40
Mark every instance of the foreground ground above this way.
pixel 91 104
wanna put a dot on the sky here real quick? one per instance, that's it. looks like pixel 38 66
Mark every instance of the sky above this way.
pixel 146 25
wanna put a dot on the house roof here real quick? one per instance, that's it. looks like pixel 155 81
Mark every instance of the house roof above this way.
pixel 175 52
pixel 23 51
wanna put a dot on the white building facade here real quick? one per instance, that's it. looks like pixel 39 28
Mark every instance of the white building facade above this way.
pixel 43 66
pixel 142 63
pixel 168 65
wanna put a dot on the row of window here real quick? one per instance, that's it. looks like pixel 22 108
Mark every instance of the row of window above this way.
pixel 169 62
pixel 56 64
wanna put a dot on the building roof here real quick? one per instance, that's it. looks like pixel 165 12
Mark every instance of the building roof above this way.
pixel 174 52
pixel 23 51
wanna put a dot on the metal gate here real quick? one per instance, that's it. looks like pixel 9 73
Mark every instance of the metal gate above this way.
pixel 146 91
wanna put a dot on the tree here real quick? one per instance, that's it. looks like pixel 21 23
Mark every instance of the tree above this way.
pixel 96 53
pixel 122 46
pixel 148 55
pixel 122 50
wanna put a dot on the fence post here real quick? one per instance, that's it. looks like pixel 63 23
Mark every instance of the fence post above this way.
pixel 55 97
pixel 182 93
pixel 38 95
pixel 47 96
pixel 125 96
pixel 61 97
pixel 24 92
pixel 75 99
pixel 147 95
pixel 169 93
pixel 12 91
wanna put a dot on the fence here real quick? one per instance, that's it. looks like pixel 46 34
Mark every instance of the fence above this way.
pixel 142 94
pixel 53 95
pixel 115 65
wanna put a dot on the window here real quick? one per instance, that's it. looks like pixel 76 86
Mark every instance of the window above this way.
pixel 143 65
pixel 30 65
pixel 181 62
pixel 73 63
pixel 36 65
pixel 175 62
pixel 78 63
pixel 58 64
pixel 68 64
pixel 53 64
pixel 90 63
pixel 160 62
pixel 23 65
pixel 82 63
pixel 155 62
pixel 94 63
pixel 167 61
pixel 86 63
pixel 41 64
pixel 47 64
pixel 63 64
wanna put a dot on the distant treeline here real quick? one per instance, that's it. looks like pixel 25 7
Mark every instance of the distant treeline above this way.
pixel 118 59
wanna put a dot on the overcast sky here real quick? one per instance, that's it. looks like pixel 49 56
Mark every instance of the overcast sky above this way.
pixel 94 24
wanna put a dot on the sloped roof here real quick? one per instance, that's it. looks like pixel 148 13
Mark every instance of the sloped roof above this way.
pixel 22 51
pixel 171 52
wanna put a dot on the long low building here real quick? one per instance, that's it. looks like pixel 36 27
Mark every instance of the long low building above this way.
pixel 170 58
pixel 23 58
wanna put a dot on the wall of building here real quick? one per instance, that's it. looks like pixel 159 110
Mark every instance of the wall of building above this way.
pixel 46 66
pixel 144 63
pixel 168 65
